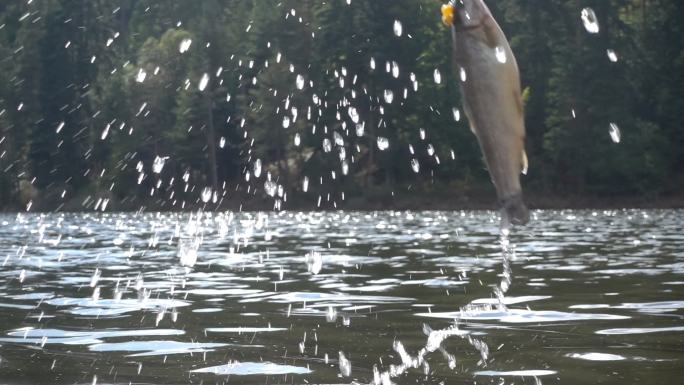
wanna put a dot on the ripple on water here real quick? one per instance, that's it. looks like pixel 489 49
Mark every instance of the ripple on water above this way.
pixel 622 331
pixel 516 373
pixel 596 356
pixel 156 348
pixel 31 336
pixel 113 307
pixel 244 329
pixel 295 297
pixel 522 316
pixel 253 368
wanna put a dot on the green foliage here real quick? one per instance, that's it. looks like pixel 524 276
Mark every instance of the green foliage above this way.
pixel 91 93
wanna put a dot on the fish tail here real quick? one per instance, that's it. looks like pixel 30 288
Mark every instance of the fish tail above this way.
pixel 514 210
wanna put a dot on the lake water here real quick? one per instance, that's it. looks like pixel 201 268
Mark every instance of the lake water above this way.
pixel 329 298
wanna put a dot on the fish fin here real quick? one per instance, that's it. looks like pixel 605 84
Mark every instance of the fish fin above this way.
pixel 526 95
pixel 514 211
pixel 525 163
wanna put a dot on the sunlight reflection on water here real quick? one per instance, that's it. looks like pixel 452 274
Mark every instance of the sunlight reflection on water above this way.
pixel 110 287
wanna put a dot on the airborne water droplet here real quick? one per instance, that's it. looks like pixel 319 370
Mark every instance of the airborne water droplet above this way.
pixel 389 96
pixel 270 187
pixel 185 45
pixel 383 143
pixel 415 165
pixel 430 150
pixel 300 82
pixel 398 28
pixel 612 56
pixel 297 140
pixel 437 76
pixel 457 114
pixel 615 133
pixel 327 145
pixel 590 21
pixel 203 82
pixel 257 168
pixel 353 114
pixel 206 194
pixel 345 365
pixel 140 77
pixel 158 164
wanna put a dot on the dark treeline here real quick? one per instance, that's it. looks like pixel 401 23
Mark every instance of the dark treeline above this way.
pixel 174 103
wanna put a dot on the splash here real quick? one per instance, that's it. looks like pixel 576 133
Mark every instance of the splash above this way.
pixel 435 338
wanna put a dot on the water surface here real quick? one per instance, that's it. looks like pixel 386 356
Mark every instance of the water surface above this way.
pixel 328 298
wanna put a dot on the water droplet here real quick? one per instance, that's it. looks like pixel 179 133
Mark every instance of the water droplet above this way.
pixel 60 127
pixel 339 140
pixel 398 28
pixel 353 114
pixel 105 132
pixel 185 45
pixel 612 56
pixel 590 21
pixel 140 77
pixel 300 82
pixel 360 128
pixel 383 143
pixel 345 365
pixel 415 165
pixel 222 142
pixel 327 145
pixel 286 121
pixel 297 140
pixel 457 114
pixel 203 82
pixel 372 63
pixel 305 184
pixel 257 168
pixel 430 150
pixel 615 133
pixel 500 54
pixel 270 187
pixel 437 76
pixel 464 76
pixel 206 194
pixel 158 164
pixel 422 134
pixel 314 262
pixel 389 96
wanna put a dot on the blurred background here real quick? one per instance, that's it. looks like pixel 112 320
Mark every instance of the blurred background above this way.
pixel 176 104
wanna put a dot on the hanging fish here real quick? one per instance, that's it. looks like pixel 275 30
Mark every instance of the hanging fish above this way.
pixel 492 99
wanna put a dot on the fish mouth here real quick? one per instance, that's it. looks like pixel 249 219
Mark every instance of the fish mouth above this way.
pixel 460 17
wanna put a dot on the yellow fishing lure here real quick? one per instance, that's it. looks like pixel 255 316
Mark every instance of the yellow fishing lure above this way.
pixel 448 14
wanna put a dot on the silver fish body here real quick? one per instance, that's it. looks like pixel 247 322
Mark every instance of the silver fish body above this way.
pixel 490 88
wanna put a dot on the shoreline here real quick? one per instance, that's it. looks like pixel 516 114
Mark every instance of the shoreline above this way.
pixel 403 202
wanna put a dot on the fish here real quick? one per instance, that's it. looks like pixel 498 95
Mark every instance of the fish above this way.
pixel 492 100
